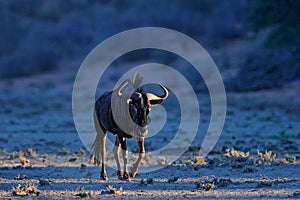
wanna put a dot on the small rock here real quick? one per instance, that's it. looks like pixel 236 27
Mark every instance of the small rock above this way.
pixel 43 182
pixel 248 170
pixel 223 182
pixel 85 194
pixel 210 186
pixel 150 180
pixel 263 184
pixel 296 194
pixel 19 177
pixel 25 162
pixel 72 159
pixel 172 180
pixel 143 182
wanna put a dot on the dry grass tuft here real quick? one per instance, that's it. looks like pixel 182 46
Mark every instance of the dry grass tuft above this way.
pixel 236 153
pixel 25 191
pixel 113 190
pixel 199 160
pixel 266 158
pixel 32 153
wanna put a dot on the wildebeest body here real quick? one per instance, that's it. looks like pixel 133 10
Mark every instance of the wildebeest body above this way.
pixel 125 112
pixel 105 116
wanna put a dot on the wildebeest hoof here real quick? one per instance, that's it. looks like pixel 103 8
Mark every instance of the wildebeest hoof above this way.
pixel 120 175
pixel 126 176
pixel 133 172
pixel 104 177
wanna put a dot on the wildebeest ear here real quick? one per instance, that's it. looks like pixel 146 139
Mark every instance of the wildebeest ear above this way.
pixel 122 87
pixel 137 80
pixel 129 101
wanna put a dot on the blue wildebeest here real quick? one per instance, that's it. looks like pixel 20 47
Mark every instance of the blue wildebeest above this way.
pixel 132 107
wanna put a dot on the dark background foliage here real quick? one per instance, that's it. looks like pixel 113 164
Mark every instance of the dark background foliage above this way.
pixel 37 36
pixel 278 60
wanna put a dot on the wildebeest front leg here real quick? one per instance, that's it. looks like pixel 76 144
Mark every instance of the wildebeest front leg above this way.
pixel 125 157
pixel 135 166
pixel 103 155
pixel 117 157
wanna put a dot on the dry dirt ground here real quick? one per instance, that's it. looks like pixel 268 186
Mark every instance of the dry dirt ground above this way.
pixel 257 155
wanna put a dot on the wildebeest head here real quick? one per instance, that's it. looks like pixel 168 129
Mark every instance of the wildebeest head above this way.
pixel 140 103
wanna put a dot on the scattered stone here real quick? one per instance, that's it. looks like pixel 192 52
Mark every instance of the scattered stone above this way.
pixel 143 182
pixel 291 159
pixel 222 182
pixel 210 186
pixel 249 170
pixel 173 179
pixel 237 165
pixel 44 182
pixel 263 184
pixel 205 186
pixel 150 180
pixel 84 194
pixel 112 190
pixel 296 194
pixel 19 177
pixel 214 162
pixel 25 162
pixel 72 159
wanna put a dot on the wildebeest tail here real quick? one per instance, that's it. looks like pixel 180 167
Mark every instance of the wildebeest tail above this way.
pixel 97 145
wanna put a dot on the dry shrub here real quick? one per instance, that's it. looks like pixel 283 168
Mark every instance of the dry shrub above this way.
pixel 25 191
pixel 266 158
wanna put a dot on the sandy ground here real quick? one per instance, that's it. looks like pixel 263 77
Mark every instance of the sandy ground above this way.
pixel 257 155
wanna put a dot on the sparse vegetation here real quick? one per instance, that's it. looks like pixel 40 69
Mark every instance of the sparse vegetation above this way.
pixel 113 190
pixel 265 158
pixel 25 190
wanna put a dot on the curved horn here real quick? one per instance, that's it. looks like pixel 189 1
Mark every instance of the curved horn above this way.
pixel 151 96
pixel 121 88
pixel 165 91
